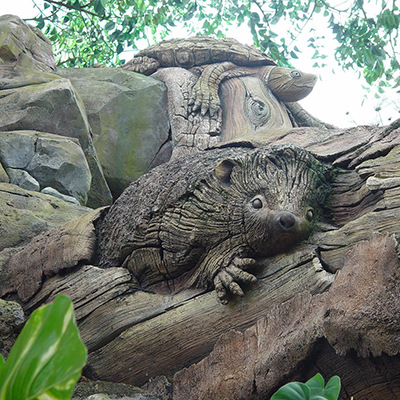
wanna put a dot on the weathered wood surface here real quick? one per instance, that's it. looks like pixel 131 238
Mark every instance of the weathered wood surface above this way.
pixel 195 220
pixel 49 253
pixel 247 106
pixel 182 333
pixel 189 131
pixel 297 338
pixel 186 331
pixel 135 335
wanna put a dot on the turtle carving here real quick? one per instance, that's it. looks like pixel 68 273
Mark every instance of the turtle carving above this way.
pixel 217 60
pixel 196 51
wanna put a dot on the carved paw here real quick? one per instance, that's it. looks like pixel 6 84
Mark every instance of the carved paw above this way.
pixel 205 98
pixel 227 281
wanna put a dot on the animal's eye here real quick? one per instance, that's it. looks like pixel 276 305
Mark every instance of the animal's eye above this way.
pixel 257 203
pixel 310 214
pixel 295 74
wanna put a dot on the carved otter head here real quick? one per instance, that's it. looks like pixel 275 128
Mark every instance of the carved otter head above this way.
pixel 280 193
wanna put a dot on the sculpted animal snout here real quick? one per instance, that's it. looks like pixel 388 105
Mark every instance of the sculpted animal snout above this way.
pixel 286 220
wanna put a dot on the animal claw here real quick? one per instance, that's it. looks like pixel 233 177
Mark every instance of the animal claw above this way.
pixel 226 281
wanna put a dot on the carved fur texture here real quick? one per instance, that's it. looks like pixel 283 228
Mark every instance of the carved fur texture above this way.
pixel 208 217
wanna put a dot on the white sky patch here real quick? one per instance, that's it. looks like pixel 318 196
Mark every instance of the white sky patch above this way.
pixel 338 97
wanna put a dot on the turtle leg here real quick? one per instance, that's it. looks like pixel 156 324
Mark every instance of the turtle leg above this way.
pixel 205 92
pixel 143 65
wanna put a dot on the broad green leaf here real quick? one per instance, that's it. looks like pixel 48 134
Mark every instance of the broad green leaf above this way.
pixel 318 390
pixel 292 391
pixel 313 389
pixel 47 358
pixel 1 361
pixel 332 388
pixel 315 385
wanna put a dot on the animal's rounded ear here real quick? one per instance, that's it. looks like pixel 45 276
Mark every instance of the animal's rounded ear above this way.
pixel 223 171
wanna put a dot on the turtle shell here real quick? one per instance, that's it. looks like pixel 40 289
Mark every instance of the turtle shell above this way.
pixel 200 50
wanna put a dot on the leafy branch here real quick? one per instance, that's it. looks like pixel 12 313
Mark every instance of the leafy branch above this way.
pixel 72 7
pixel 85 32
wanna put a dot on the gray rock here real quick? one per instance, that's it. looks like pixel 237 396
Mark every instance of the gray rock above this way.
pixel 128 114
pixel 53 192
pixel 26 214
pixel 59 162
pixel 11 318
pixel 17 148
pixel 52 160
pixel 3 174
pixel 33 100
pixel 24 45
pixel 23 179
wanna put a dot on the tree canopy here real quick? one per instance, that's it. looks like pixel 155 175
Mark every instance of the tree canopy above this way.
pixel 85 32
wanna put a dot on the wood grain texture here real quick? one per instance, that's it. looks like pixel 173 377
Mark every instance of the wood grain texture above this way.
pixel 329 305
pixel 196 216
pixel 48 254
pixel 186 331
pixel 297 338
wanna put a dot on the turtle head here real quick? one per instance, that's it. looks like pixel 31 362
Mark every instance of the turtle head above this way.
pixel 288 84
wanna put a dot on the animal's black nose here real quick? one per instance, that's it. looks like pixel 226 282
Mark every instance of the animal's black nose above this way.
pixel 286 220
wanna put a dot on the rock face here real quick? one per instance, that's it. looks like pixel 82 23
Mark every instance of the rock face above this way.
pixel 11 319
pixel 52 160
pixel 128 115
pixel 25 214
pixel 24 45
pixel 3 175
pixel 227 199
pixel 44 102
pixel 23 179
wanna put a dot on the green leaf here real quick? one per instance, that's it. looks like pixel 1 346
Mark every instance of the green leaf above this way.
pixel 140 4
pixel 98 7
pixel 313 389
pixel 48 356
pixel 109 25
pixel 292 391
pixel 255 17
pixel 332 388
pixel 316 385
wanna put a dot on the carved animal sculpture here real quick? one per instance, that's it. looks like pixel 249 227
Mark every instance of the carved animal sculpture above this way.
pixel 219 59
pixel 204 220
pixel 196 51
